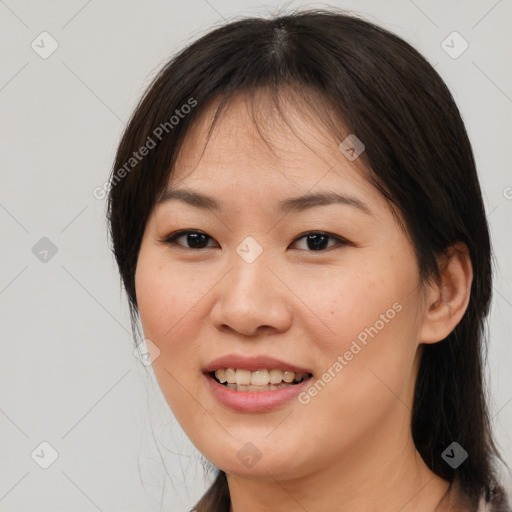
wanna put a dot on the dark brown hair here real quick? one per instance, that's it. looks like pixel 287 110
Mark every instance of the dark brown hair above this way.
pixel 417 154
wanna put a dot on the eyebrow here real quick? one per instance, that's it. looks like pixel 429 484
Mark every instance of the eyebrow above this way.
pixel 299 203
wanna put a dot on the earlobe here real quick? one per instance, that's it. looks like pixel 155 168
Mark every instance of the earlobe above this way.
pixel 448 299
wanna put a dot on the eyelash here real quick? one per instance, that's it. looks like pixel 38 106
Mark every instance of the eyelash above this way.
pixel 171 239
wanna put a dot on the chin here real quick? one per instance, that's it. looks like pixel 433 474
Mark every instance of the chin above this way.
pixel 266 469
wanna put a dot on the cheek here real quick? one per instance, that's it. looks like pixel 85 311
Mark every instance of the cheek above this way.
pixel 346 303
pixel 166 295
pixel 368 373
pixel 366 334
pixel 168 298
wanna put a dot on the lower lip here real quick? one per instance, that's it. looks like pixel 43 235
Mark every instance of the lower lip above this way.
pixel 254 401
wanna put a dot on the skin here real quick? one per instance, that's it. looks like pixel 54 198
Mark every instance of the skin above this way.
pixel 350 448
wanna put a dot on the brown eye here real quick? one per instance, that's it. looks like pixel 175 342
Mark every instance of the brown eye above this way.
pixel 316 241
pixel 319 240
pixel 194 239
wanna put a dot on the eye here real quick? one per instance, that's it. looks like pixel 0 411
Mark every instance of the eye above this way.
pixel 318 240
pixel 315 240
pixel 196 239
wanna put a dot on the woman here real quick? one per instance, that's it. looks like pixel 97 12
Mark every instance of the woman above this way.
pixel 298 223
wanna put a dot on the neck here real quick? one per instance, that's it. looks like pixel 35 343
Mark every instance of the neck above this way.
pixel 385 474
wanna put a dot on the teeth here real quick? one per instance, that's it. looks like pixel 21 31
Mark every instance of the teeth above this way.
pixel 276 376
pixel 221 375
pixel 288 376
pixel 243 377
pixel 230 376
pixel 259 378
pixel 240 378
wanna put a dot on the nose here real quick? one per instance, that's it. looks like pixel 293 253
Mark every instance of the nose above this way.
pixel 251 300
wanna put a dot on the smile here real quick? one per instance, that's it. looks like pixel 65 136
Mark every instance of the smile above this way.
pixel 258 380
pixel 255 383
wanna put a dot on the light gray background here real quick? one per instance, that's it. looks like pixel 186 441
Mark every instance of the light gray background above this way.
pixel 68 375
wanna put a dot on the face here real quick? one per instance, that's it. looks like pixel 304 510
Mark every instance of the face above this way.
pixel 330 289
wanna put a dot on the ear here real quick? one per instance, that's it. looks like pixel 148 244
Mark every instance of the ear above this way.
pixel 448 299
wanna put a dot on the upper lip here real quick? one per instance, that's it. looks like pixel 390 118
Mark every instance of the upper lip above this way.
pixel 253 363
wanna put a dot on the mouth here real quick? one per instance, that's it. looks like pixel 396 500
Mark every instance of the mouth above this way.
pixel 253 384
pixel 264 379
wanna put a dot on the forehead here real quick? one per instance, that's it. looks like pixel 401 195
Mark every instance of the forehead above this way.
pixel 253 145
